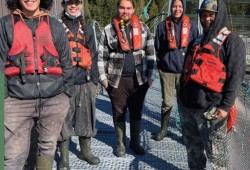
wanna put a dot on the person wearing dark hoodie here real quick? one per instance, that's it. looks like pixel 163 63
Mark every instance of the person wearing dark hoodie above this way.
pixel 81 119
pixel 171 41
pixel 213 72
pixel 35 58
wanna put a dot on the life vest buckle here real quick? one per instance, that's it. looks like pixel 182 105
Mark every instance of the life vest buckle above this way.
pixel 77 59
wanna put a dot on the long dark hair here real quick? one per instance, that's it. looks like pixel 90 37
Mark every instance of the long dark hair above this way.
pixel 14 4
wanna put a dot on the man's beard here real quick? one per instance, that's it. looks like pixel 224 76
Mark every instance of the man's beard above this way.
pixel 126 19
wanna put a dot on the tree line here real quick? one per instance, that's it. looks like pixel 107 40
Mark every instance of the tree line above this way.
pixel 103 11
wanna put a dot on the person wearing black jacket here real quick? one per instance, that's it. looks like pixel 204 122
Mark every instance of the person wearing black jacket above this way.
pixel 82 104
pixel 35 58
pixel 213 73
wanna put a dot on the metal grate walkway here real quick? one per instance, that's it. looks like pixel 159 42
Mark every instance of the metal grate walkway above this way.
pixel 168 154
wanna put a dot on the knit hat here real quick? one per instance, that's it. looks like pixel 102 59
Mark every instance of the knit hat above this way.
pixel 208 5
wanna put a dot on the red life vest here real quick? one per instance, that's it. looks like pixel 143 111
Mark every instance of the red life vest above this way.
pixel 204 65
pixel 30 54
pixel 136 34
pixel 80 54
pixel 232 114
pixel 185 31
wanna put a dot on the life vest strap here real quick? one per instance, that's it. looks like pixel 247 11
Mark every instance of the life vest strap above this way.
pixel 77 59
pixel 205 50
pixel 76 50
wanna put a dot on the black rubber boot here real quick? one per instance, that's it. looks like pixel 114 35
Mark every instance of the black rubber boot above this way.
pixel 64 150
pixel 120 131
pixel 85 154
pixel 44 162
pixel 164 125
pixel 135 126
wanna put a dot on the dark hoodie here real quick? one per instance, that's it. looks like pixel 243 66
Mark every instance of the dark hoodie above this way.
pixel 233 55
pixel 171 60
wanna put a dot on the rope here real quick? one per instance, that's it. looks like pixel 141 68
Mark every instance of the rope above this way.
pixel 145 10
pixel 155 18
pixel 177 118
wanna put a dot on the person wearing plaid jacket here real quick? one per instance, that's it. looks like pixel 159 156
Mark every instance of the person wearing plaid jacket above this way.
pixel 126 64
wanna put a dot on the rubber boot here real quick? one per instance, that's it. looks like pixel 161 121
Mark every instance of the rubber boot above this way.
pixel 64 150
pixel 120 131
pixel 85 154
pixel 44 162
pixel 164 125
pixel 135 126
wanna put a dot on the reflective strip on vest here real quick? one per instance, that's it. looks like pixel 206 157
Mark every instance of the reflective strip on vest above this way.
pixel 185 31
pixel 136 34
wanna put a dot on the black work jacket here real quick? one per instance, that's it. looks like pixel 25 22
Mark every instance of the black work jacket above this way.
pixel 37 85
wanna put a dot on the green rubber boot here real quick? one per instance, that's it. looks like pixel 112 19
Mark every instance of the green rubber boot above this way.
pixel 44 162
pixel 85 154
pixel 135 126
pixel 120 131
pixel 164 125
pixel 64 150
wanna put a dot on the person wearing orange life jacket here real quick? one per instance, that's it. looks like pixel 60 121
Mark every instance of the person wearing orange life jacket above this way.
pixel 171 40
pixel 126 63
pixel 35 58
pixel 82 103
pixel 213 72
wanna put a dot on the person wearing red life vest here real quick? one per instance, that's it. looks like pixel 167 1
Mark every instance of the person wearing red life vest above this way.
pixel 82 103
pixel 35 58
pixel 213 72
pixel 126 63
pixel 171 40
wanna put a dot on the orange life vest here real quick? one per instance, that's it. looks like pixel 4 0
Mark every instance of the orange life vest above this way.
pixel 136 34
pixel 204 65
pixel 185 31
pixel 30 54
pixel 80 54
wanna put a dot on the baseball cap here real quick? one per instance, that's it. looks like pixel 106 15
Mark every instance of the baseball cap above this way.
pixel 208 5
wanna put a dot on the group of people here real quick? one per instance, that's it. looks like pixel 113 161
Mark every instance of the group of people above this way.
pixel 52 69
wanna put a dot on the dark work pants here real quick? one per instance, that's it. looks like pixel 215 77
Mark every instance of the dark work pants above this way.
pixel 129 95
pixel 199 135
pixel 82 113
pixel 19 118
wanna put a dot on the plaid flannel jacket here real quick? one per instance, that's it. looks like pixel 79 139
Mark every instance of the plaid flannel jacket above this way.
pixel 111 57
